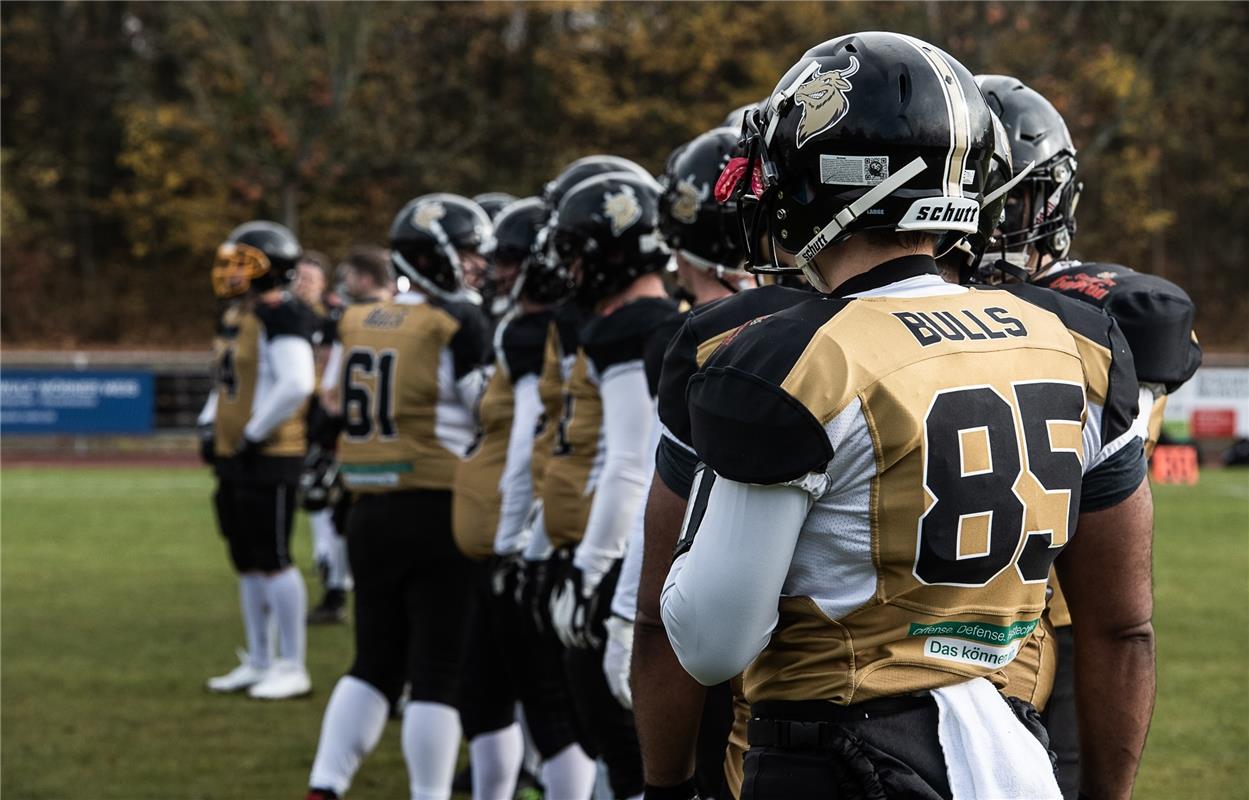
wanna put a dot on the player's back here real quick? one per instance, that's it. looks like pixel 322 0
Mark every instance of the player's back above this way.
pixel 942 434
pixel 404 428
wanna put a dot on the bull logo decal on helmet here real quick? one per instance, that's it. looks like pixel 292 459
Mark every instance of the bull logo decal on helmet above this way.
pixel 688 198
pixel 823 100
pixel 427 214
pixel 622 209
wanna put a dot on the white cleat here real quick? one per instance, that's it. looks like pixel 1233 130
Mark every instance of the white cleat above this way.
pixel 241 677
pixel 285 679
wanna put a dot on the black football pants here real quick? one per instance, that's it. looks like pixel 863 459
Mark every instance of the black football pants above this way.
pixel 1060 716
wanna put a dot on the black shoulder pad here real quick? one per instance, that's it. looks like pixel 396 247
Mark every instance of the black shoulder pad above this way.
pixel 1156 317
pixel 523 342
pixel 656 347
pixel 288 316
pixel 470 345
pixel 701 325
pixel 1097 326
pixel 743 424
pixel 624 334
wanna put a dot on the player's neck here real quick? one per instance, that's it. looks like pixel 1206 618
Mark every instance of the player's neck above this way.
pixel 648 285
pixel 702 286
pixel 855 256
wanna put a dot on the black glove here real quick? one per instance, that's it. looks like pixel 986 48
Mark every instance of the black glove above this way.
pixel 247 450
pixel 506 575
pixel 207 445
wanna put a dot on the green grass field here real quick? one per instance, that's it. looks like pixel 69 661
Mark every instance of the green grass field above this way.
pixel 118 602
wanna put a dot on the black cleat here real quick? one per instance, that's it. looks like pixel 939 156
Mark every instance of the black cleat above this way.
pixel 332 610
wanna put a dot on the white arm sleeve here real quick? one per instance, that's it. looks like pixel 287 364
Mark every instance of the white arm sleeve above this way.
pixel 625 602
pixel 208 414
pixel 720 601
pixel 333 365
pixel 294 378
pixel 628 414
pixel 539 547
pixel 516 483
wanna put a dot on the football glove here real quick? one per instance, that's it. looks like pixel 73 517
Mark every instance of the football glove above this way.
pixel 617 658
pixel 247 450
pixel 207 445
pixel 574 607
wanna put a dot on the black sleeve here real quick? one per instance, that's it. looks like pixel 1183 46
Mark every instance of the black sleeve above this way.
pixel 329 326
pixel 524 344
pixel 1113 480
pixel 290 317
pixel 470 345
pixel 656 347
pixel 680 364
pixel 675 466
pixel 1123 394
pixel 750 430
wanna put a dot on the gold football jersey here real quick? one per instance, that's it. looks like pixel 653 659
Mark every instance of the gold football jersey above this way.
pixel 405 427
pixel 475 507
pixel 243 333
pixel 944 439
pixel 567 488
pixel 519 344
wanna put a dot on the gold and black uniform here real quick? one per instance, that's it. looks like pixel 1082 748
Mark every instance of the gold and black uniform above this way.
pixel 406 379
pixel 948 442
pixel 256 490
pixel 1156 318
pixel 494 679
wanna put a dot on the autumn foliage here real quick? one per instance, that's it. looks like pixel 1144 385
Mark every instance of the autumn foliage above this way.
pixel 135 135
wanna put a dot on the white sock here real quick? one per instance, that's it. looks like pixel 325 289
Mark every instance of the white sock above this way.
pixel 431 745
pixel 353 723
pixel 289 600
pixel 255 605
pixel 338 574
pixel 570 774
pixel 496 758
pixel 322 525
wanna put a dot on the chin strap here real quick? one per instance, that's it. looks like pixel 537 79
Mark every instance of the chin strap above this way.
pixel 805 257
pixel 1006 187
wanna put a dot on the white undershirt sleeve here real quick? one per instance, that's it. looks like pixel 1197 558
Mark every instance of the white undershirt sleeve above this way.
pixel 208 414
pixel 516 483
pixel 628 415
pixel 333 365
pixel 720 601
pixel 294 378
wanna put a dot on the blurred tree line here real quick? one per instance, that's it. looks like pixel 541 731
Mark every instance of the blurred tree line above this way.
pixel 134 136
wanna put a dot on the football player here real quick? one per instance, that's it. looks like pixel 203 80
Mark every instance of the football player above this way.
pixel 603 237
pixel 407 382
pixel 915 454
pixel 491 535
pixel 264 376
pixel 705 238
pixel 365 277
pixel 1155 315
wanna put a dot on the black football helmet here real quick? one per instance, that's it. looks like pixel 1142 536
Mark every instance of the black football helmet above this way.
pixel 583 168
pixel 516 236
pixel 427 235
pixel 1040 211
pixel 604 234
pixel 968 251
pixel 691 220
pixel 737 116
pixel 494 202
pixel 870 131
pixel 258 255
